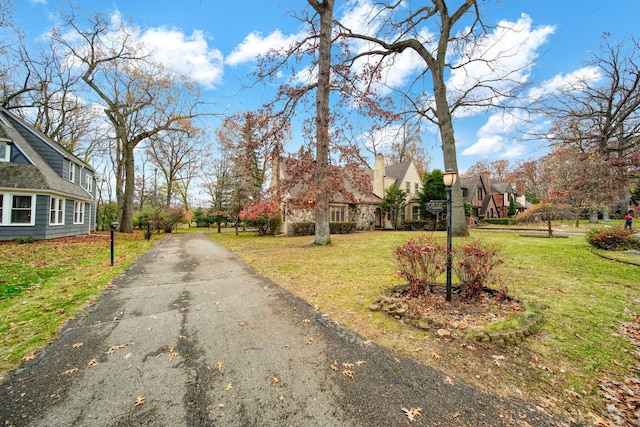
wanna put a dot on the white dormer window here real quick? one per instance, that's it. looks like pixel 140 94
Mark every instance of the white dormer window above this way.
pixel 5 151
pixel 88 183
pixel 72 172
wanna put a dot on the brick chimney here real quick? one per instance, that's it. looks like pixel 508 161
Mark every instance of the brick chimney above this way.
pixel 378 176
pixel 486 180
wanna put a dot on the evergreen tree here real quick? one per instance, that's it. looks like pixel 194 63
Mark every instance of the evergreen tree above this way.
pixel 394 202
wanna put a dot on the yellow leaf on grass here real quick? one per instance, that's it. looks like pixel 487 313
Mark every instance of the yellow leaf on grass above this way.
pixel 435 356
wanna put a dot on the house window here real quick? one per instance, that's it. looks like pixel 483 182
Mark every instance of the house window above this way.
pixel 408 187
pixel 78 212
pixel 416 188
pixel 337 213
pixel 415 212
pixel 479 193
pixel 5 152
pixel 72 172
pixel 56 211
pixel 88 183
pixel 17 210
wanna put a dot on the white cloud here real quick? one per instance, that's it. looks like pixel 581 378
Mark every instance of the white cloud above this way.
pixel 495 146
pixel 256 44
pixel 501 60
pixel 561 82
pixel 186 54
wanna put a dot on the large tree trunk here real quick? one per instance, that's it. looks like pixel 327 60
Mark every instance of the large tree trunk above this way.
pixel 126 220
pixel 459 219
pixel 325 9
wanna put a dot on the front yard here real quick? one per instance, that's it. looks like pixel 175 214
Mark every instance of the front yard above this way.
pixel 583 298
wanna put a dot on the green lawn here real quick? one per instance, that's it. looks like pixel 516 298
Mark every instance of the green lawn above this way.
pixel 43 284
pixel 583 298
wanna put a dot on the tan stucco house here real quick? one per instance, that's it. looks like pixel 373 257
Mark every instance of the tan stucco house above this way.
pixel 366 211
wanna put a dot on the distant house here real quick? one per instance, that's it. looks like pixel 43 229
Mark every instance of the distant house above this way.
pixel 366 211
pixel 490 198
pixel 45 191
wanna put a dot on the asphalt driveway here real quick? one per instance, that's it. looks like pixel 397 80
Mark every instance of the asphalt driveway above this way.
pixel 191 335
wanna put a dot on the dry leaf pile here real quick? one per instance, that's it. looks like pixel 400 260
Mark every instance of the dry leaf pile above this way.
pixel 623 397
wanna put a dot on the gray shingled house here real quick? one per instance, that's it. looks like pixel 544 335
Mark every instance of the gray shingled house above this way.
pixel 45 191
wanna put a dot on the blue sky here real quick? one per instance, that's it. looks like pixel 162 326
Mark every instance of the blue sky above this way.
pixel 216 43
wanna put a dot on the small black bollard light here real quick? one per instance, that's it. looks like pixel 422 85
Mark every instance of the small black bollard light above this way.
pixel 114 225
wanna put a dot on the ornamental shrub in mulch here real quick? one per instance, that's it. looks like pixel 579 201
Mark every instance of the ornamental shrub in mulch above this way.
pixel 612 239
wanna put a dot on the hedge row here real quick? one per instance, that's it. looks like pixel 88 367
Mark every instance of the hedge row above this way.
pixel 499 221
pixel 309 228
pixel 423 225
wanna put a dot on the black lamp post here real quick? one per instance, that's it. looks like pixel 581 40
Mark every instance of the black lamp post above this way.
pixel 449 178
pixel 113 227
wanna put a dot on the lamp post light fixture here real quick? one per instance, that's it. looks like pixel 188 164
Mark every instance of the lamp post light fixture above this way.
pixel 449 177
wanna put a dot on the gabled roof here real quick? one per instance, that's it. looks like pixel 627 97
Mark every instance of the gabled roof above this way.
pixel 37 176
pixel 398 171
pixel 357 193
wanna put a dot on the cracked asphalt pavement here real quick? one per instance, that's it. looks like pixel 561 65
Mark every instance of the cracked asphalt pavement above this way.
pixel 190 335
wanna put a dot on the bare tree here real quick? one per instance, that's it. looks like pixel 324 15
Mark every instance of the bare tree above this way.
pixel 397 27
pixel 172 152
pixel 600 118
pixel 251 140
pixel 140 99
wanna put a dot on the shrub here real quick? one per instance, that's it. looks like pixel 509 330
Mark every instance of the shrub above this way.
pixel 500 221
pixel 261 214
pixel 160 219
pixel 309 228
pixel 612 239
pixel 342 227
pixel 303 229
pixel 21 240
pixel 420 261
pixel 474 265
pixel 423 224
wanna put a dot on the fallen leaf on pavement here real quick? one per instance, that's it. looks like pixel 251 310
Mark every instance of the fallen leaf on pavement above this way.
pixel 349 374
pixel 139 401
pixel 219 366
pixel 70 371
pixel 77 345
pixel 449 380
pixel 92 362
